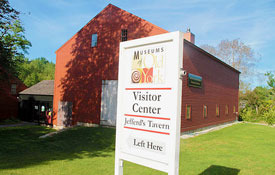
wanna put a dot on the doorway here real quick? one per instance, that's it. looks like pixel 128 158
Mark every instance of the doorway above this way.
pixel 108 102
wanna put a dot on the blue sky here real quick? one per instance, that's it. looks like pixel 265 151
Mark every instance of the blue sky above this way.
pixel 50 23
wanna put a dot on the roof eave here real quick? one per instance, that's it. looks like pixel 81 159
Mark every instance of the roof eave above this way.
pixel 211 56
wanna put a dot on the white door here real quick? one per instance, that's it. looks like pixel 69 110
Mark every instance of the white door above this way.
pixel 108 102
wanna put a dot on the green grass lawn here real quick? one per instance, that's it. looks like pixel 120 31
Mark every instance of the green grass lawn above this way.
pixel 241 148
pixel 9 121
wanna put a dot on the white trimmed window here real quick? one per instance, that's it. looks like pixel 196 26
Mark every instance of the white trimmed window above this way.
pixel 13 89
pixel 204 111
pixel 226 110
pixel 188 112
pixel 217 110
pixel 94 40
pixel 124 34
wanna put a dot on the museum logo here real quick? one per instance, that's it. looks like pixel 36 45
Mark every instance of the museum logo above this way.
pixel 148 65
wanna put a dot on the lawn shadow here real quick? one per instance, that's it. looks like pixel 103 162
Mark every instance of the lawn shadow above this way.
pixel 20 146
pixel 217 169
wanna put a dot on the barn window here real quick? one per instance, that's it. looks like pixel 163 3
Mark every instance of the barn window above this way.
pixel 124 35
pixel 94 40
pixel 13 88
pixel 204 111
pixel 234 109
pixel 217 110
pixel 188 112
pixel 226 110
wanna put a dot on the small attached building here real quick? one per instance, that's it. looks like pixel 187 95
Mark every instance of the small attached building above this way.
pixel 209 90
pixel 37 102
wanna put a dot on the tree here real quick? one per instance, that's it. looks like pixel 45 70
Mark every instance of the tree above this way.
pixel 13 44
pixel 237 54
pixel 271 83
pixel 7 16
pixel 271 80
pixel 259 104
pixel 34 71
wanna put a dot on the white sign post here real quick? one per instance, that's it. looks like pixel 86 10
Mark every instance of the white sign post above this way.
pixel 149 102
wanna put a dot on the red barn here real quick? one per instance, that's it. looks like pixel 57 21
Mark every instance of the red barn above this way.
pixel 10 86
pixel 87 71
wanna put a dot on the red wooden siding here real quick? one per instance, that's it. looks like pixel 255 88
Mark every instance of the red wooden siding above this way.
pixel 8 101
pixel 80 68
pixel 220 86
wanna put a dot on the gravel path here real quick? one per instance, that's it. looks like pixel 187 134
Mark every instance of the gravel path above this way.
pixel 193 134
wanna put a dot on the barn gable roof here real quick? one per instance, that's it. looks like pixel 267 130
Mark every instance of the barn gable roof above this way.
pixel 45 87
pixel 108 8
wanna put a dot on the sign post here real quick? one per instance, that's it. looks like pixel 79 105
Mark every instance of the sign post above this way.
pixel 149 103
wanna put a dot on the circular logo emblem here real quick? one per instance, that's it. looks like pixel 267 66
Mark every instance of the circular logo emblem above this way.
pixel 136 76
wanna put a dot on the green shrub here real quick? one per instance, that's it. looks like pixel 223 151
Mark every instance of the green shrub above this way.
pixel 269 116
pixel 248 114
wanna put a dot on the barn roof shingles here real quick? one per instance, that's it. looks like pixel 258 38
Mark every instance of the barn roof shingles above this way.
pixel 44 87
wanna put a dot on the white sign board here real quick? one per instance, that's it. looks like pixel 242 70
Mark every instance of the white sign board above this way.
pixel 149 102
